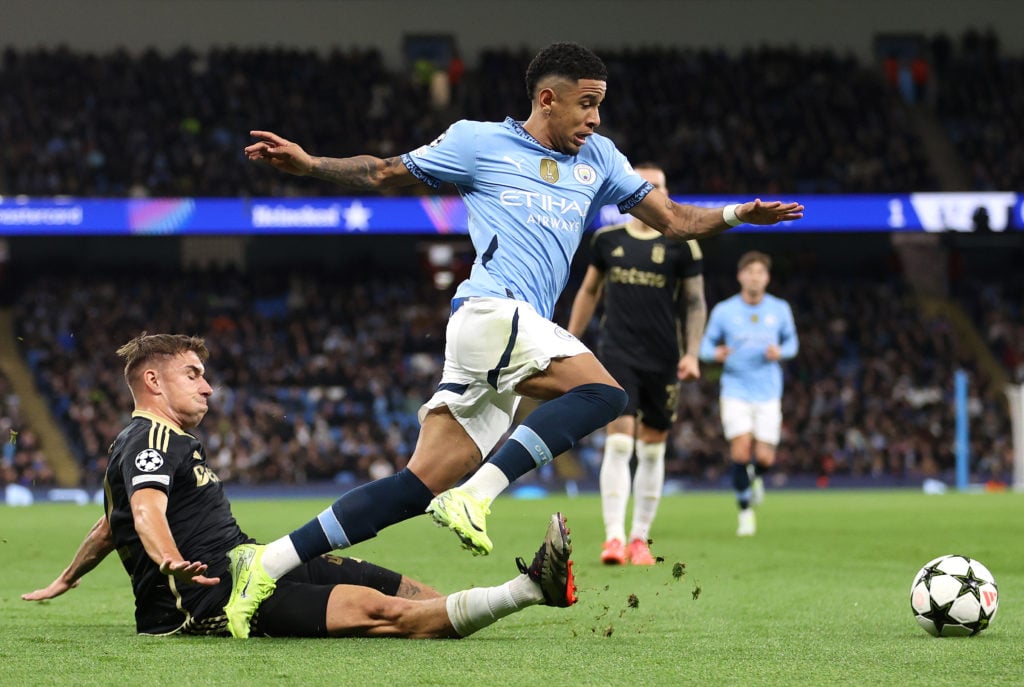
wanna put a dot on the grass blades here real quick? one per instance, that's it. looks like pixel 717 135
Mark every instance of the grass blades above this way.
pixel 819 597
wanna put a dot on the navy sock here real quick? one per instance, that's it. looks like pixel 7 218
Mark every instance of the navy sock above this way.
pixel 741 484
pixel 761 469
pixel 556 426
pixel 362 512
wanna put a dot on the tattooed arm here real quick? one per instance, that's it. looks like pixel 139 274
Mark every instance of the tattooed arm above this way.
pixel 681 221
pixel 93 549
pixel 361 173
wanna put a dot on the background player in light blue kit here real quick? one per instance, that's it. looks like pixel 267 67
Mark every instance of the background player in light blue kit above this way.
pixel 531 188
pixel 750 333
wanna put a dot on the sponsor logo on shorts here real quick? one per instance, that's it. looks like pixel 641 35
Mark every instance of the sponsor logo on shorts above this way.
pixel 563 333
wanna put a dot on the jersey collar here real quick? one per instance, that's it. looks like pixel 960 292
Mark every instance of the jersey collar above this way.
pixel 159 420
pixel 517 127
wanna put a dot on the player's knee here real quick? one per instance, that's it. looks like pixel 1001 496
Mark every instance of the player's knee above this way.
pixel 619 444
pixel 619 400
pixel 652 452
pixel 606 399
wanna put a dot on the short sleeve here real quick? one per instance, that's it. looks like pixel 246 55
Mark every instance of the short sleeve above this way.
pixel 451 157
pixel 623 186
pixel 693 260
pixel 145 467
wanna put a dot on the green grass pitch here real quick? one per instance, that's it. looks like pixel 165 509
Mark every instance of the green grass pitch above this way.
pixel 819 597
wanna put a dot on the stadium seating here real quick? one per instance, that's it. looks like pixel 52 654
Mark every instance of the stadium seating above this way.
pixel 325 387
pixel 318 377
pixel 315 383
pixel 766 120
pixel 22 460
pixel 980 99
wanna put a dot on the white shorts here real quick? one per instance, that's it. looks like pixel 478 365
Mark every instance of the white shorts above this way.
pixel 491 345
pixel 763 420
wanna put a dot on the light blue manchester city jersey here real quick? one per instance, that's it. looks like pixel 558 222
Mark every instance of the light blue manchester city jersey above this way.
pixel 748 330
pixel 527 205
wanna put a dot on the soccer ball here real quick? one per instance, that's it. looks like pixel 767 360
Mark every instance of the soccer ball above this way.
pixel 954 596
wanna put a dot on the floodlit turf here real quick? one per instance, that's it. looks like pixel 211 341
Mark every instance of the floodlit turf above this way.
pixel 818 597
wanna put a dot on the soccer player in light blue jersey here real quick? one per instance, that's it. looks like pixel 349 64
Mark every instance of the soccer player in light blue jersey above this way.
pixel 531 188
pixel 750 333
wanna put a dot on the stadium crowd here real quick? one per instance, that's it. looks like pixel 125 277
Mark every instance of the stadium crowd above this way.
pixel 979 96
pixel 313 379
pixel 318 377
pixel 807 121
pixel 22 458
pixel 870 395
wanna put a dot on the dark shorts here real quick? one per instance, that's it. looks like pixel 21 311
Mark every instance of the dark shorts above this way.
pixel 653 395
pixel 298 607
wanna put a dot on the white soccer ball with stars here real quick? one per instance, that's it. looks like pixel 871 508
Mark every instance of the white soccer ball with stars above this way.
pixel 954 596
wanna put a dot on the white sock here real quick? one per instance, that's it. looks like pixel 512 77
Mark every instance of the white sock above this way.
pixel 280 557
pixel 618 450
pixel 474 609
pixel 487 482
pixel 647 485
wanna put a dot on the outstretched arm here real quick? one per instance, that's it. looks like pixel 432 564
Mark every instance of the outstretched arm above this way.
pixel 363 172
pixel 680 221
pixel 94 548
pixel 149 511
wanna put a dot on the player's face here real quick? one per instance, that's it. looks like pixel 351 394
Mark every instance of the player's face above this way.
pixel 185 389
pixel 754 279
pixel 574 113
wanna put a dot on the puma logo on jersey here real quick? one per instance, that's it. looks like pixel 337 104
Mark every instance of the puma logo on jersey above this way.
pixel 518 163
pixel 619 252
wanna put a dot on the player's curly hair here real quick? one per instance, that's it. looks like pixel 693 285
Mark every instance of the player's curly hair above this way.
pixel 147 346
pixel 569 60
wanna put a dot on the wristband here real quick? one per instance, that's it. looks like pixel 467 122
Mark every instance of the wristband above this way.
pixel 729 215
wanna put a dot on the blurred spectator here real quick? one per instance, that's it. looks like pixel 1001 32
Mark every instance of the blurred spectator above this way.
pixel 22 460
pixel 766 121
pixel 312 390
pixel 980 100
pixel 319 377
pixel 869 396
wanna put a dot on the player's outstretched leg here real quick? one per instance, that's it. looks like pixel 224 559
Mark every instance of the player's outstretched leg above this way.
pixel 547 432
pixel 547 580
pixel 466 516
pixel 552 565
pixel 250 586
